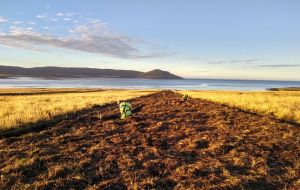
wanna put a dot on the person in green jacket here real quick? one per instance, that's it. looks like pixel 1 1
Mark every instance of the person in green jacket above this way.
pixel 125 109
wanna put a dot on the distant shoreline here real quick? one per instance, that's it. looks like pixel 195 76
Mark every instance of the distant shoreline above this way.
pixel 108 77
pixel 4 77
pixel 137 83
pixel 284 89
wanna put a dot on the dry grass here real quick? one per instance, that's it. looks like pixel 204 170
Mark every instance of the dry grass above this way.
pixel 281 104
pixel 168 144
pixel 43 104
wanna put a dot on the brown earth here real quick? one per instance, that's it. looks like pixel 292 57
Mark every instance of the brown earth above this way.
pixel 166 144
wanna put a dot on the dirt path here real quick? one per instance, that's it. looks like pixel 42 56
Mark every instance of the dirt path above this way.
pixel 167 144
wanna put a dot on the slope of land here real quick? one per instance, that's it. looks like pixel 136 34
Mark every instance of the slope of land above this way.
pixel 159 74
pixel 20 107
pixel 166 144
pixel 280 104
pixel 73 72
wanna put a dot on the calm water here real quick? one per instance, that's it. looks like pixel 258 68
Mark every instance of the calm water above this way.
pixel 196 84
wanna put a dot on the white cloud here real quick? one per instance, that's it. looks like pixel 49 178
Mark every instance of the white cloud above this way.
pixel 31 23
pixel 278 66
pixel 93 37
pixel 17 22
pixel 252 60
pixel 2 20
pixel 16 30
pixel 19 13
pixel 43 16
pixel 53 19
pixel 60 14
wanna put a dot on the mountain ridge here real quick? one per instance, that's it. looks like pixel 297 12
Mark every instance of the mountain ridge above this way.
pixel 82 72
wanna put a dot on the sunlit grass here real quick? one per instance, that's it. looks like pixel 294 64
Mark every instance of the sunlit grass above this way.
pixel 281 104
pixel 18 110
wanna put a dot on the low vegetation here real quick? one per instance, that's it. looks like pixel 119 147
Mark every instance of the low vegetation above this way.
pixel 23 106
pixel 167 143
pixel 281 104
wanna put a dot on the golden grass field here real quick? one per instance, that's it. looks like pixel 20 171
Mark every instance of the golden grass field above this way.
pixel 281 104
pixel 22 106
pixel 33 105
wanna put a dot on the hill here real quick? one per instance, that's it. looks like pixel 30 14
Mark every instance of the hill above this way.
pixel 74 72
pixel 159 74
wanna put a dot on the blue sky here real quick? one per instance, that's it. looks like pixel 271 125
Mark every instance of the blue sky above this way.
pixel 249 39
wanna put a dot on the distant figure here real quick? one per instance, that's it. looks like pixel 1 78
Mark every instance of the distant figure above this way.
pixel 125 109
pixel 185 97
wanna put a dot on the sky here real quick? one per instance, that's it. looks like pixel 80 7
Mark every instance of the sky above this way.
pixel 232 39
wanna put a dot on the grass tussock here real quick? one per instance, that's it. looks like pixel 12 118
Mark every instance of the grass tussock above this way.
pixel 43 104
pixel 281 104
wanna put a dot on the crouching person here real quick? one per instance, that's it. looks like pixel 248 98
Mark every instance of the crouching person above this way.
pixel 125 109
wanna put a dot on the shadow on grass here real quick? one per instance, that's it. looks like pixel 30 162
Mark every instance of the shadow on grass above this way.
pixel 45 123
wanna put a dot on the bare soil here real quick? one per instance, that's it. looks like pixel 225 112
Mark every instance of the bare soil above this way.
pixel 167 144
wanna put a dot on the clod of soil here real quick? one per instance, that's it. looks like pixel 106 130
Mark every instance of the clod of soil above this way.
pixel 166 144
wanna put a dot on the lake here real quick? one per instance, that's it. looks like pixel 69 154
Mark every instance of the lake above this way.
pixel 194 84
